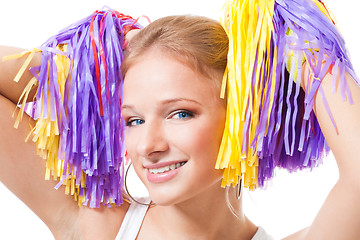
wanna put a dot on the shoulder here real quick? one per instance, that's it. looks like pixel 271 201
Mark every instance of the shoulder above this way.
pixel 134 218
pixel 94 223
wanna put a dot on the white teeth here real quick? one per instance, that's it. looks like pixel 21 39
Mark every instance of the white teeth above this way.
pixel 166 168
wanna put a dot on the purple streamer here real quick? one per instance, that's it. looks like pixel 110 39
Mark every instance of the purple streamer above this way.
pixel 89 143
pixel 294 140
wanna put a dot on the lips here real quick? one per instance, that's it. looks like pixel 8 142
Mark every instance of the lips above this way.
pixel 163 171
pixel 166 168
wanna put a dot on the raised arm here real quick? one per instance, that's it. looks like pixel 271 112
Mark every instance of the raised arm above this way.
pixel 9 69
pixel 339 217
pixel 21 169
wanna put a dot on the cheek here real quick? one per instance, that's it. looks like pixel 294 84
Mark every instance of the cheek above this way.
pixel 130 145
pixel 200 140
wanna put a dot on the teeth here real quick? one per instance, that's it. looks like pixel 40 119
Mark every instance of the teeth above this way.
pixel 166 168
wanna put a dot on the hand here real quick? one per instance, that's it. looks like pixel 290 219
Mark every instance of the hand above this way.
pixel 129 36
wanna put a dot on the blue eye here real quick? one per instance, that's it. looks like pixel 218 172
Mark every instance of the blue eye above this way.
pixel 183 115
pixel 135 122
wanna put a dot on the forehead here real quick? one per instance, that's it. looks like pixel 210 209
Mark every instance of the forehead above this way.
pixel 156 73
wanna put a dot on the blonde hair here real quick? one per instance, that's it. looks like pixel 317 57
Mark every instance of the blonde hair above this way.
pixel 199 42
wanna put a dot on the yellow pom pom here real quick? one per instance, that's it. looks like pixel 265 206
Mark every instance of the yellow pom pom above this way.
pixel 249 26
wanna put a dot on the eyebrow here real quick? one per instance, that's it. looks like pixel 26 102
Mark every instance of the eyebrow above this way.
pixel 168 101
pixel 174 100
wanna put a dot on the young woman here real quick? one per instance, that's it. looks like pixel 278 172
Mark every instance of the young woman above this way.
pixel 174 126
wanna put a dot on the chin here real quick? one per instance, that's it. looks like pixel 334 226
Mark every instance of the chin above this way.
pixel 173 195
pixel 166 196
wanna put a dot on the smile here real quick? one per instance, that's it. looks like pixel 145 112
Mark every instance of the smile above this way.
pixel 161 173
pixel 166 168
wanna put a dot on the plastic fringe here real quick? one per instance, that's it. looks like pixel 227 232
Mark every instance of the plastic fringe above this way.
pixel 79 129
pixel 270 120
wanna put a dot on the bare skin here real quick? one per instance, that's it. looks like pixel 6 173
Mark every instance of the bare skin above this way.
pixel 339 216
pixel 23 171
pixel 178 114
pixel 337 219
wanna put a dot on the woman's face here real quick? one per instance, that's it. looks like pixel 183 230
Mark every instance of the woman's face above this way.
pixel 175 120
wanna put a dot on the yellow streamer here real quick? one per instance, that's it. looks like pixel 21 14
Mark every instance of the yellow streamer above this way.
pixel 45 132
pixel 249 27
pixel 26 63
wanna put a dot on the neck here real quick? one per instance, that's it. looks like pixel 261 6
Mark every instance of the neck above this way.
pixel 206 216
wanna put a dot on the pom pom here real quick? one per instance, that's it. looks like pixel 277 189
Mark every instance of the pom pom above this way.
pixel 79 129
pixel 270 120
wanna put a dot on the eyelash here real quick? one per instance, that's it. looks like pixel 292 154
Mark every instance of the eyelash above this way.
pixel 182 114
pixel 130 122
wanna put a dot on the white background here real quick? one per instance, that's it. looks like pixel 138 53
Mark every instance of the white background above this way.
pixel 289 202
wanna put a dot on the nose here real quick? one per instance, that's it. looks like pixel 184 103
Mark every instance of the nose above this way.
pixel 153 140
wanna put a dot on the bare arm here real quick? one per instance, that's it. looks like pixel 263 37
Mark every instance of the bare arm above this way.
pixel 339 217
pixel 21 169
pixel 8 69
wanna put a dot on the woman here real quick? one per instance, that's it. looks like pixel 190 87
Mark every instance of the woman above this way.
pixel 173 121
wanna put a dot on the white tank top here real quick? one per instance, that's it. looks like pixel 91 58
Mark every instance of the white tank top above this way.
pixel 136 213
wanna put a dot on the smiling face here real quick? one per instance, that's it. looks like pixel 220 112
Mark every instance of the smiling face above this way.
pixel 175 122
